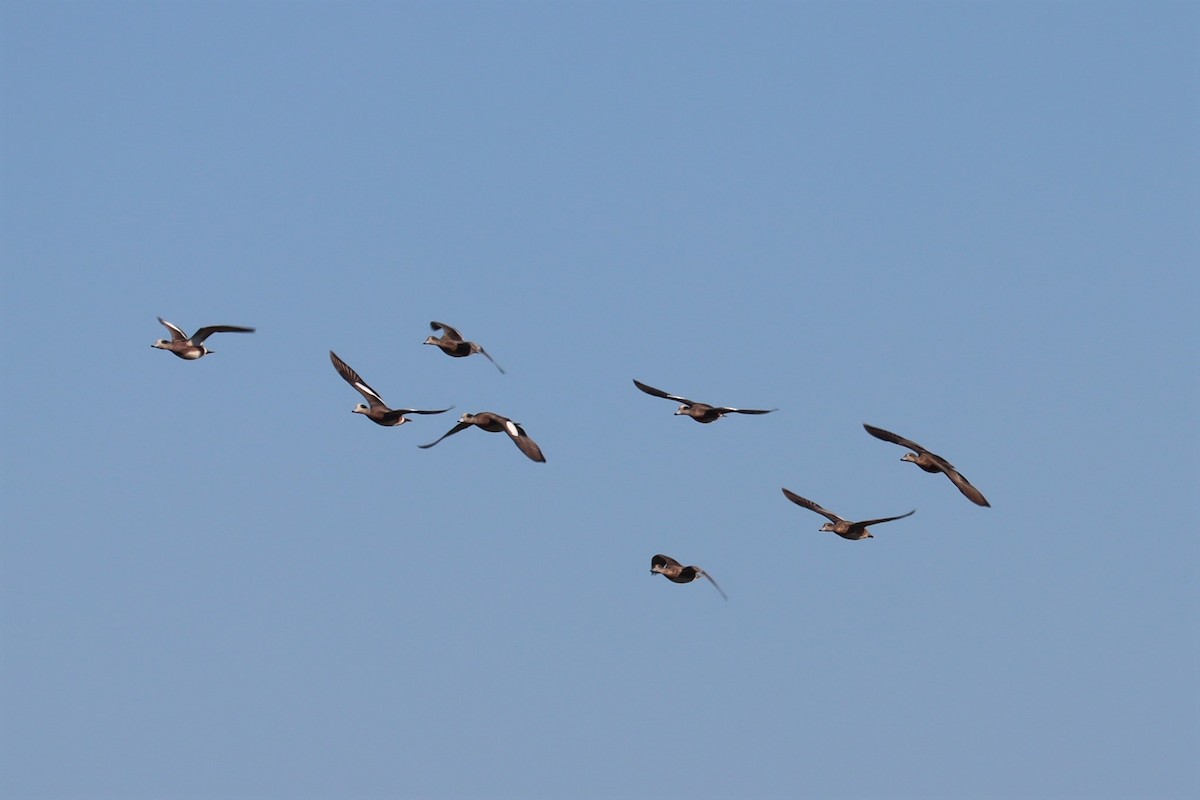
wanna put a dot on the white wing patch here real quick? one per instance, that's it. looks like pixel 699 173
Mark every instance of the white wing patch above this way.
pixel 512 428
pixel 362 387
pixel 173 328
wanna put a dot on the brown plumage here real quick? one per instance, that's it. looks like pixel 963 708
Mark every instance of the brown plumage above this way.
pixel 192 347
pixel 701 412
pixel 678 573
pixel 377 411
pixel 452 344
pixel 842 527
pixel 494 423
pixel 930 462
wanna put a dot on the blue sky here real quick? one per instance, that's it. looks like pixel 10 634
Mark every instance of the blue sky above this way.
pixel 970 223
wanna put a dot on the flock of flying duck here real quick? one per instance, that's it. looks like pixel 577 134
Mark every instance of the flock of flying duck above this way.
pixel 452 344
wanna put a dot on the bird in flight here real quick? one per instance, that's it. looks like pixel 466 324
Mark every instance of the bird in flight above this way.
pixel 494 423
pixel 452 344
pixel 701 412
pixel 375 409
pixel 192 347
pixel 931 462
pixel 839 525
pixel 678 573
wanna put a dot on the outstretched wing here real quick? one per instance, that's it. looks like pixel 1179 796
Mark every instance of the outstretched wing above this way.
pixel 964 486
pixel 523 442
pixel 462 426
pixel 888 436
pixel 351 377
pixel 208 330
pixel 714 583
pixel 450 334
pixel 660 393
pixel 420 411
pixel 177 335
pixel 489 358
pixel 724 410
pixel 868 522
pixel 811 506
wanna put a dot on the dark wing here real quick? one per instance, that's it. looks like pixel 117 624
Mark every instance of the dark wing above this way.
pixel 710 580
pixel 660 393
pixel 888 436
pixel 176 334
pixel 724 410
pixel 489 358
pixel 208 330
pixel 449 334
pixel 964 486
pixel 811 506
pixel 663 561
pixel 351 377
pixel 523 442
pixel 868 522
pixel 462 426
pixel 419 411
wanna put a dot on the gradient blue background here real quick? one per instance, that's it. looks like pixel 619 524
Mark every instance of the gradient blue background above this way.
pixel 971 223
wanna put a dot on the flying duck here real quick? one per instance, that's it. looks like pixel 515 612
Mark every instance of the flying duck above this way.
pixel 453 345
pixel 930 462
pixel 494 423
pixel 676 572
pixel 192 347
pixel 842 527
pixel 377 411
pixel 701 412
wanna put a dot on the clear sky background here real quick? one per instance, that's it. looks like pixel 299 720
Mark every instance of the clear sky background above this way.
pixel 974 224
